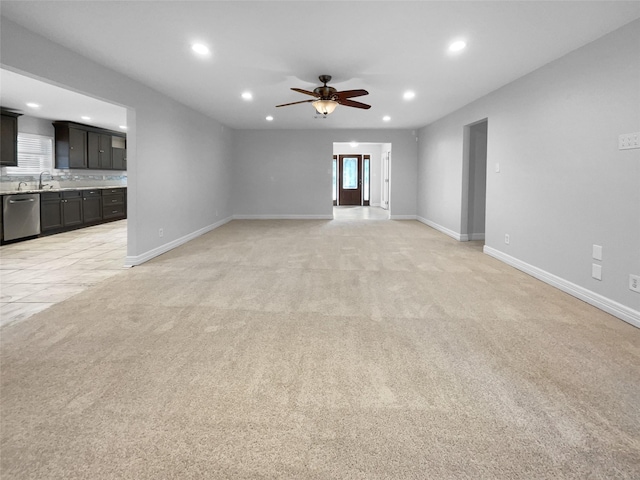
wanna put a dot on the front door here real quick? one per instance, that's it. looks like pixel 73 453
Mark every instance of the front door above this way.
pixel 350 184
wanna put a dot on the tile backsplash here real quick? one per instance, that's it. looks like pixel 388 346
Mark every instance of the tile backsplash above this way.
pixel 62 179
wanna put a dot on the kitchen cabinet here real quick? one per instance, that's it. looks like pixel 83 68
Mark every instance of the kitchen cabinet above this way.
pixel 60 210
pixel 50 211
pixel 71 208
pixel 91 206
pixel 9 139
pixel 71 146
pixel 87 147
pixel 99 150
pixel 119 159
pixel 113 203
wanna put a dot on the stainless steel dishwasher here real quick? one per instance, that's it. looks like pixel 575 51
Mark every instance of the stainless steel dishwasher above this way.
pixel 21 215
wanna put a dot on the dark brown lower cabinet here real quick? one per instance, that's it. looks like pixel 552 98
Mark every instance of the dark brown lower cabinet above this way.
pixel 72 208
pixel 91 206
pixel 69 209
pixel 113 203
pixel 50 211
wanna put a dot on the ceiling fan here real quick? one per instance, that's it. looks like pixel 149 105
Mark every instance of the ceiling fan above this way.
pixel 328 98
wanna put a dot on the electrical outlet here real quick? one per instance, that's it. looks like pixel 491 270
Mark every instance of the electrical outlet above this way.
pixel 506 238
pixel 634 283
pixel 160 232
pixel 627 141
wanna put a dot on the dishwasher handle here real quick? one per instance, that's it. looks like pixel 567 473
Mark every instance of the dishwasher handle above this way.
pixel 11 200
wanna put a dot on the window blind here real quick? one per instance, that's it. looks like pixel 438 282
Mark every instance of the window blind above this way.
pixel 35 154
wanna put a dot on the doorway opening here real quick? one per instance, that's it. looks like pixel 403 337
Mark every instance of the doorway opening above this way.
pixel 361 174
pixel 474 178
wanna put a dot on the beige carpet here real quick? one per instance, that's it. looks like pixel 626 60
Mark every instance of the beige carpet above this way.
pixel 321 350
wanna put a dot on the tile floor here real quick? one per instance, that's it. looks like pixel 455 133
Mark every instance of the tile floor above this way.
pixel 38 273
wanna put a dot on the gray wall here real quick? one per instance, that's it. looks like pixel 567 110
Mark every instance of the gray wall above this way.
pixel 563 184
pixel 287 173
pixel 177 158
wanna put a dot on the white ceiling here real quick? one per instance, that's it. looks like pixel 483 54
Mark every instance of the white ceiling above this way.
pixel 55 103
pixel 266 47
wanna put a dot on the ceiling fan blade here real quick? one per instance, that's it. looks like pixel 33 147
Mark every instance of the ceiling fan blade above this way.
pixel 353 103
pixel 295 103
pixel 306 92
pixel 351 93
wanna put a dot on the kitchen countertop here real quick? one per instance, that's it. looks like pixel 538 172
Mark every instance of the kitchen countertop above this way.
pixel 62 189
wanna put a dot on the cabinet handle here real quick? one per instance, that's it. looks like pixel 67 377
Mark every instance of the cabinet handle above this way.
pixel 114 211
pixel 114 201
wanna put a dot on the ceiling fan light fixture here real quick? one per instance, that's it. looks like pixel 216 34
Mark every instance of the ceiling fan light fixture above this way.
pixel 325 107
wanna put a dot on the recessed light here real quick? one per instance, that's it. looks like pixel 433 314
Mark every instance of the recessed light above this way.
pixel 408 95
pixel 123 127
pixel 386 118
pixel 33 105
pixel 84 117
pixel 457 46
pixel 247 95
pixel 200 49
pixel 269 118
pixel 353 144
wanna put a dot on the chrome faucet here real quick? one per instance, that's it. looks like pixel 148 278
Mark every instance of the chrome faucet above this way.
pixel 40 184
pixel 20 185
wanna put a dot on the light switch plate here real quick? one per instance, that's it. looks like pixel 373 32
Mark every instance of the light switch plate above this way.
pixel 597 252
pixel 596 271
pixel 627 141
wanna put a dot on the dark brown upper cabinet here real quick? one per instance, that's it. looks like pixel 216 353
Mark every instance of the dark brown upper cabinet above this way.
pixel 9 139
pixel 84 146
pixel 99 150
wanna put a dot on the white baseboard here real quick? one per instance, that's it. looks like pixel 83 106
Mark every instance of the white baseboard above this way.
pixel 616 309
pixel 132 261
pixel 282 217
pixel 402 217
pixel 442 229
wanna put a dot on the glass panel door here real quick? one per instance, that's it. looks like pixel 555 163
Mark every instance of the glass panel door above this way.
pixel 349 173
pixel 350 180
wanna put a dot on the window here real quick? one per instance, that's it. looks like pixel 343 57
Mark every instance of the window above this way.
pixel 35 154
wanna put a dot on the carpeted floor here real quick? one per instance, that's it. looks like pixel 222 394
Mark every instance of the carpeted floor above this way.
pixel 321 350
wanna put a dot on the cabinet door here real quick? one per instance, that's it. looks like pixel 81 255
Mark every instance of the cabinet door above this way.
pixel 72 211
pixel 50 215
pixel 91 209
pixel 105 151
pixel 93 150
pixel 9 141
pixel 77 148
pixel 118 159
